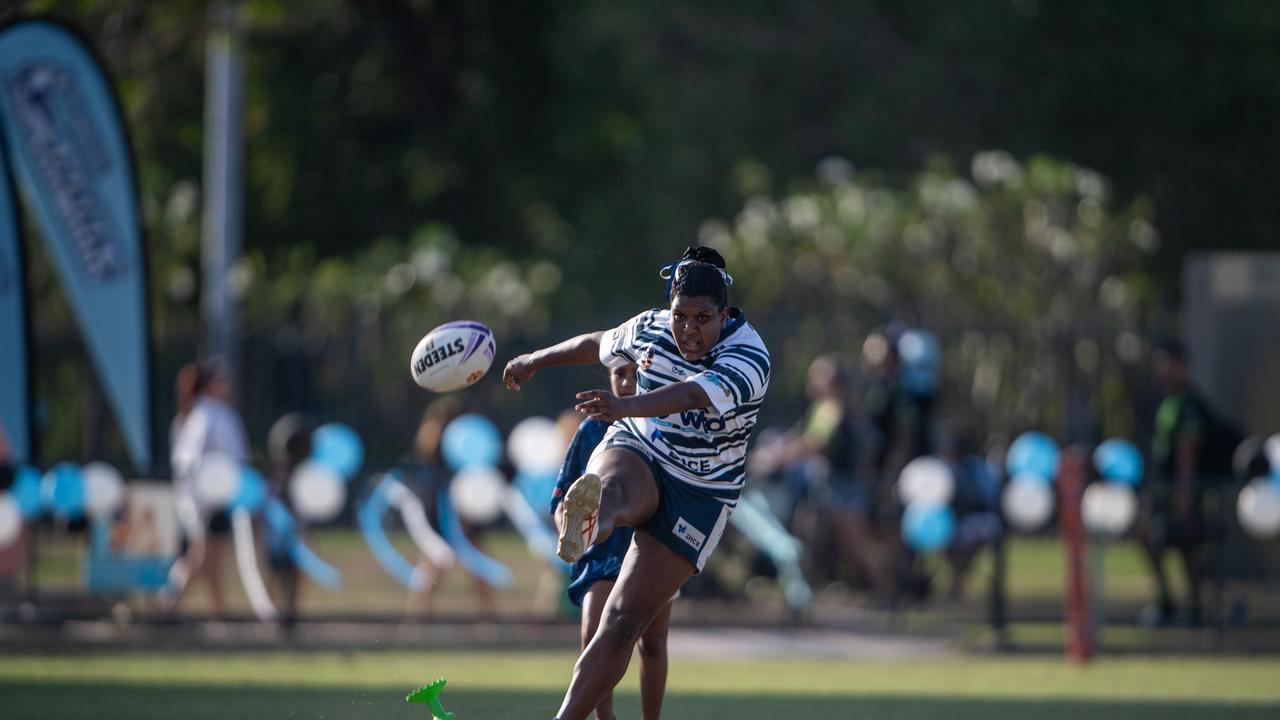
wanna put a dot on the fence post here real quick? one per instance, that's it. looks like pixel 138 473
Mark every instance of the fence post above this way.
pixel 1079 640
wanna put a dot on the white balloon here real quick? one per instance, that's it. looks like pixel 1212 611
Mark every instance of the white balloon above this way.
pixel 536 445
pixel 1027 502
pixel 217 481
pixel 10 519
pixel 317 491
pixel 927 481
pixel 477 493
pixel 1271 448
pixel 1109 508
pixel 103 489
pixel 1259 508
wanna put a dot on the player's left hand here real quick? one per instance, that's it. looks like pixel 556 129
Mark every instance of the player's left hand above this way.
pixel 601 405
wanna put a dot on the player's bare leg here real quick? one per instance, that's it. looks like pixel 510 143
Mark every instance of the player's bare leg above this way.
pixel 651 574
pixel 592 608
pixel 653 664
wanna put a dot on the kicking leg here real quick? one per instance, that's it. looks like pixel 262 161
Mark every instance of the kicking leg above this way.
pixel 651 574
pixel 618 490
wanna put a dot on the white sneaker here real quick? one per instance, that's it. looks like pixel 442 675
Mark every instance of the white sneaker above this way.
pixel 581 513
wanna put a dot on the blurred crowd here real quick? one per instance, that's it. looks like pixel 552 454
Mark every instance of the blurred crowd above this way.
pixel 832 477
pixel 833 481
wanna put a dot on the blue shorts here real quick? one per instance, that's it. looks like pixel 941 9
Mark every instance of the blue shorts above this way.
pixel 689 520
pixel 602 561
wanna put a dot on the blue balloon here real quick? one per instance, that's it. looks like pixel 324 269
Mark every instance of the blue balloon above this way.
pixel 928 527
pixel 919 381
pixel 1033 453
pixel 920 355
pixel 26 492
pixel 1118 460
pixel 471 440
pixel 63 490
pixel 339 447
pixel 253 490
pixel 537 488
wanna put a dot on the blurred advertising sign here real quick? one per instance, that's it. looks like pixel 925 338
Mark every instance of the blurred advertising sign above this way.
pixel 70 154
pixel 1231 326
pixel 15 418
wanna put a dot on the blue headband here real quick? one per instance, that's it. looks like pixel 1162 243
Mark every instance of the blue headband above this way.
pixel 668 273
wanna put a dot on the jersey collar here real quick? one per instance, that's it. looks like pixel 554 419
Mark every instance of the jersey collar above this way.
pixel 737 319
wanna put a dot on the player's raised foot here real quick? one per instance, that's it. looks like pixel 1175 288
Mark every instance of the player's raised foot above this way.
pixel 581 512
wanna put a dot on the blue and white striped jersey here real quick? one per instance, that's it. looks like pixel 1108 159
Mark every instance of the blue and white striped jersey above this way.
pixel 707 447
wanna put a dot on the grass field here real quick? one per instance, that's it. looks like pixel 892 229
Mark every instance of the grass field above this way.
pixel 1035 574
pixel 495 686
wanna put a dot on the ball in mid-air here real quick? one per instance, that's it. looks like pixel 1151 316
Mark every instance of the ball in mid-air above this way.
pixel 453 356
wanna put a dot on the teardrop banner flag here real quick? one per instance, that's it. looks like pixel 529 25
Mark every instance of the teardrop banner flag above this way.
pixel 72 158
pixel 15 402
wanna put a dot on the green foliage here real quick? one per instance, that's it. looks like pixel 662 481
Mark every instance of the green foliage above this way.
pixel 1031 278
pixel 559 152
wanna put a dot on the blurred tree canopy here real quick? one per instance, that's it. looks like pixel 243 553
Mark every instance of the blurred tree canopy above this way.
pixel 533 163
pixel 1031 278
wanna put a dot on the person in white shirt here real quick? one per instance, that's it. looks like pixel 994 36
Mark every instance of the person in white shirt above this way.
pixel 206 423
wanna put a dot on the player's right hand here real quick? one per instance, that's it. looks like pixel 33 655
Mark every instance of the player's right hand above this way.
pixel 519 370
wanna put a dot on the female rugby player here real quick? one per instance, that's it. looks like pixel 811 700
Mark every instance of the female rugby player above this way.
pixel 596 572
pixel 671 465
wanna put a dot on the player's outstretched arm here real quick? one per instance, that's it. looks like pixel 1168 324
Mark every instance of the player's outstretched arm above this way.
pixel 580 350
pixel 678 397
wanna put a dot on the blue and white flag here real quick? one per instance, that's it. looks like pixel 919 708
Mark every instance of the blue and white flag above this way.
pixel 69 152
pixel 15 401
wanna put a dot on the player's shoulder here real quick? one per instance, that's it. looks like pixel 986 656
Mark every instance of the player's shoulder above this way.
pixel 743 339
pixel 653 320
pixel 654 316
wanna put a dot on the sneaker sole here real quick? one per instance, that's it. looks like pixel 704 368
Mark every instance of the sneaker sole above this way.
pixel 582 500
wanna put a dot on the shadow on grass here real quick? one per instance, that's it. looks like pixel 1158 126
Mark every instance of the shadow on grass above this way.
pixel 93 701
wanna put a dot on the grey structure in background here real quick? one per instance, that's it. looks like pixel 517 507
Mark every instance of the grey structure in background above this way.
pixel 1231 322
pixel 223 180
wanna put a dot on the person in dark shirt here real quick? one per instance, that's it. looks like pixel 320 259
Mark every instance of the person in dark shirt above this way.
pixel 842 493
pixel 1173 495
pixel 289 445
pixel 900 431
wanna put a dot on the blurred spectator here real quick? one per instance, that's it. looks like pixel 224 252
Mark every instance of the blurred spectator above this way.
pixel 430 476
pixel 288 445
pixel 1188 447
pixel 900 431
pixel 823 453
pixel 206 422
pixel 977 508
pixel 901 420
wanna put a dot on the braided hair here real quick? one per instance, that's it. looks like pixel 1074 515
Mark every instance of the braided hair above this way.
pixel 700 272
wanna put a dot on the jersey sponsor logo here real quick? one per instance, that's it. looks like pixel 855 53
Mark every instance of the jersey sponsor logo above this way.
pixel 719 382
pixel 698 420
pixel 688 533
pixel 626 441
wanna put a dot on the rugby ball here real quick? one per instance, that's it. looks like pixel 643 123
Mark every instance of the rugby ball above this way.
pixel 453 356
